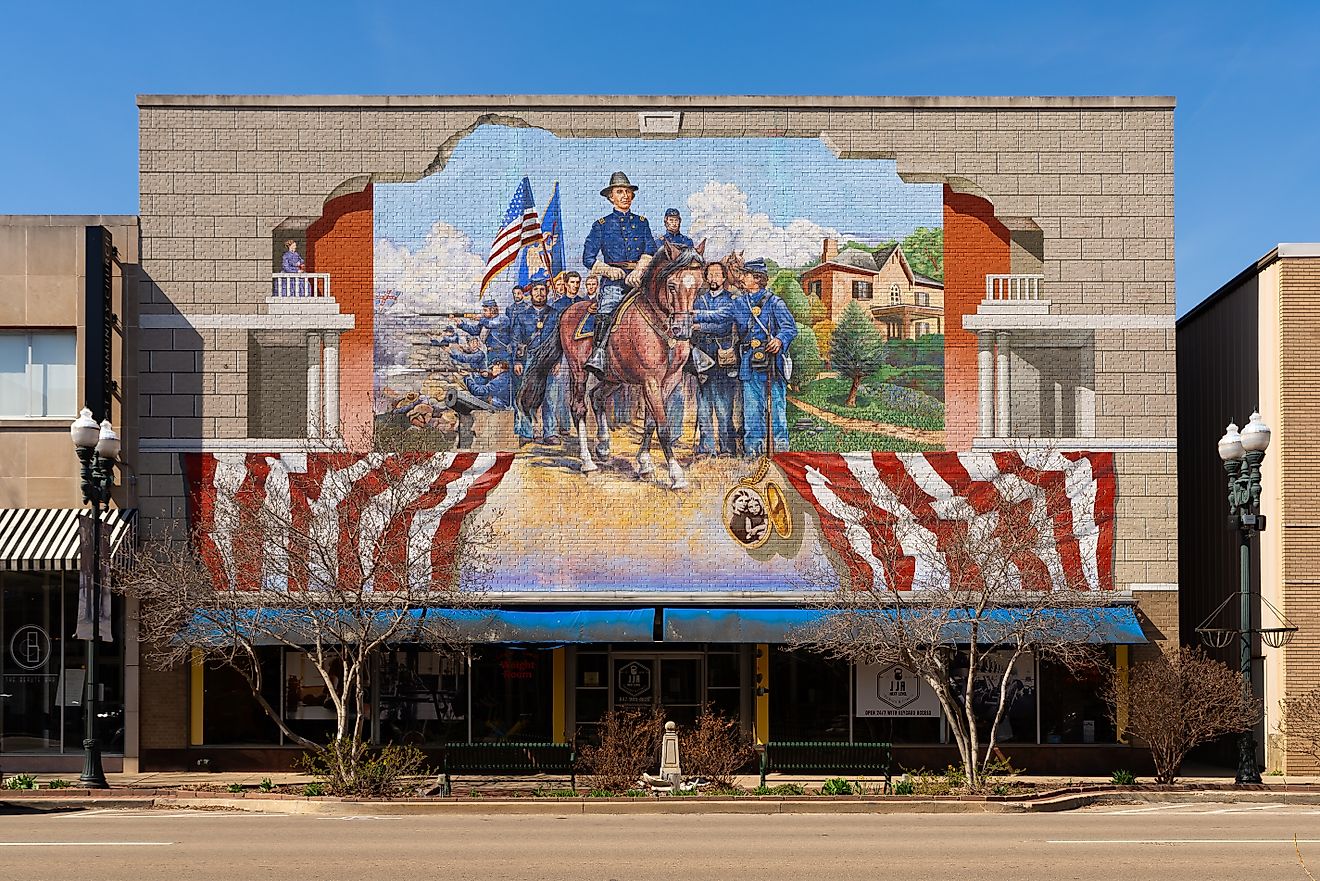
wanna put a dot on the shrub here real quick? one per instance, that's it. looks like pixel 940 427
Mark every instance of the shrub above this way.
pixel 836 786
pixel 714 747
pixel 311 790
pixel 351 767
pixel 905 787
pixel 1122 778
pixel 629 744
pixel 266 785
pixel 58 783
pixel 21 781
pixel 234 787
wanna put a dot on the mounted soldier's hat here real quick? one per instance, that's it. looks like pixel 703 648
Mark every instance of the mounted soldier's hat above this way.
pixel 672 212
pixel 618 179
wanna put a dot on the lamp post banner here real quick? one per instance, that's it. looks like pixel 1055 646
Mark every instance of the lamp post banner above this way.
pixel 86 599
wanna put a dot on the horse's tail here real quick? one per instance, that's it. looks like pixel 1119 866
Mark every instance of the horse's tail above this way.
pixel 532 393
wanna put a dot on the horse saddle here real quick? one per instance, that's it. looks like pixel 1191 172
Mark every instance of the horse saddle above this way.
pixel 587 326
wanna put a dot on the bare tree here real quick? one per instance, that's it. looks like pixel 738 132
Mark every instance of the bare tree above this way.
pixel 999 569
pixel 1179 700
pixel 336 555
pixel 1300 724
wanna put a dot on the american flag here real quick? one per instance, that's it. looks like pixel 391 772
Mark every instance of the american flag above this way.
pixel 521 227
pixel 882 513
pixel 398 510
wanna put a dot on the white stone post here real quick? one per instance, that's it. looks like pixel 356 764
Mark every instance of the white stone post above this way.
pixel 670 768
pixel 985 385
pixel 314 384
pixel 330 379
pixel 1004 382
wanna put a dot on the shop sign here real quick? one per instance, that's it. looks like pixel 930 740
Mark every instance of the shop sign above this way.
pixel 30 647
pixel 892 691
pixel 517 668
pixel 633 683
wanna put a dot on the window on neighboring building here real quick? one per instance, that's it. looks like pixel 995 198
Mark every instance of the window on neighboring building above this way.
pixel 923 328
pixel 861 290
pixel 813 288
pixel 923 298
pixel 894 297
pixel 38 374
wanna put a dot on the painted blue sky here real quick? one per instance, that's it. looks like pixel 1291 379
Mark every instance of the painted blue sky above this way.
pixel 785 178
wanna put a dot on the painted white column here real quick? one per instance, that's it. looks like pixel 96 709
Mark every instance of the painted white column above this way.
pixel 314 385
pixel 1058 409
pixel 330 369
pixel 1003 385
pixel 985 385
pixel 1084 412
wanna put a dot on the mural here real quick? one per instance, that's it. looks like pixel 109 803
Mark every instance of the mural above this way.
pixel 687 356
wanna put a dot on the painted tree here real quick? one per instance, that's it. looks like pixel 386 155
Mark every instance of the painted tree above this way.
pixel 1177 701
pixel 856 349
pixel 824 330
pixel 924 249
pixel 786 285
pixel 818 311
pixel 805 352
pixel 960 587
pixel 352 555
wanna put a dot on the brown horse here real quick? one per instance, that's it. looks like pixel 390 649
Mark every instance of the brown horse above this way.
pixel 648 348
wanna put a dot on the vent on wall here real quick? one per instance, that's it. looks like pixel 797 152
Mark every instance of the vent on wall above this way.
pixel 659 122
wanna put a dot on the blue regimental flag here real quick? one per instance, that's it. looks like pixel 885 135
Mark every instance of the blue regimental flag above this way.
pixel 552 233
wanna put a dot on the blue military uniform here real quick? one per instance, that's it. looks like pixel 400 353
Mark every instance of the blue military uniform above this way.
pixel 498 347
pixel 532 326
pixel 474 360
pixel 621 238
pixel 713 328
pixel 673 238
pixel 496 390
pixel 758 317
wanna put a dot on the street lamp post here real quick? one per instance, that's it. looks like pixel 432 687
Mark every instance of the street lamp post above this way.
pixel 1242 454
pixel 97 448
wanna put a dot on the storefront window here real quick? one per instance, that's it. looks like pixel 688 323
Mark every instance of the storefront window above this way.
pixel 1071 707
pixel 230 714
pixel 1018 724
pixel 808 696
pixel 512 694
pixel 423 697
pixel 43 669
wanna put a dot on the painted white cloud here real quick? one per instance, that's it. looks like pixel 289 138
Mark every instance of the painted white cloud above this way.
pixel 719 214
pixel 441 275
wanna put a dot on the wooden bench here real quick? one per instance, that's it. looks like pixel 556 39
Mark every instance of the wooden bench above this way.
pixel 791 756
pixel 509 758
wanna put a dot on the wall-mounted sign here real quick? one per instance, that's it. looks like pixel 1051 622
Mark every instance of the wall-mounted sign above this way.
pixel 633 683
pixel 892 691
pixel 30 647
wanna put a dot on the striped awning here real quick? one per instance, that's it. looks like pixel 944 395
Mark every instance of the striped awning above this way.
pixel 46 539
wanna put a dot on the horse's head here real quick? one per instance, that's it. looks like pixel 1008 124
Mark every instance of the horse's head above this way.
pixel 672 283
pixel 733 267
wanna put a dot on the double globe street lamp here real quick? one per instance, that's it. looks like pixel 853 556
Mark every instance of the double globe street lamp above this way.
pixel 1242 453
pixel 98 449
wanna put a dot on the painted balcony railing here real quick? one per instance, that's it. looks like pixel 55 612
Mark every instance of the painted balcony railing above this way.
pixel 1013 288
pixel 297 285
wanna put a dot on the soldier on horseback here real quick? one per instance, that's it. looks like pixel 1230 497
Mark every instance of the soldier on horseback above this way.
pixel 618 250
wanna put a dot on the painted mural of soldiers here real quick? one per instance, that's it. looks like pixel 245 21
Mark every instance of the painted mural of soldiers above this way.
pixel 765 328
pixel 517 303
pixel 493 385
pixel 618 249
pixel 531 327
pixel 493 328
pixel 673 234
pixel 713 331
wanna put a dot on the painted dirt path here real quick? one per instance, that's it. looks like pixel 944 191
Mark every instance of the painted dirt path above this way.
pixel 902 432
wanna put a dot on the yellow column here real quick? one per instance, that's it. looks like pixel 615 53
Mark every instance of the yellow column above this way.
pixel 559 673
pixel 762 693
pixel 1121 707
pixel 196 699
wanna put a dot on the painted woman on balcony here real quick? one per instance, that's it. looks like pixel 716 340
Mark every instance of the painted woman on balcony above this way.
pixel 293 261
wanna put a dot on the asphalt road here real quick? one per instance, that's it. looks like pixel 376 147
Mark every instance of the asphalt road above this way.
pixel 1166 842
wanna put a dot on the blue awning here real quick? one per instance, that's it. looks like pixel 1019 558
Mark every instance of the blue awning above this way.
pixel 1112 625
pixel 468 625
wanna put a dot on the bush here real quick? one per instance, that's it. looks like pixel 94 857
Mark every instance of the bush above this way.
pixel 629 745
pixel 234 787
pixel 836 786
pixel 58 783
pixel 905 787
pixel 21 781
pixel 352 768
pixel 714 748
pixel 1122 778
pixel 312 790
pixel 266 785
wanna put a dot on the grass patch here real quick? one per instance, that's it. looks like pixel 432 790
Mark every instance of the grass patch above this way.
pixel 878 402
pixel 826 438
pixel 781 789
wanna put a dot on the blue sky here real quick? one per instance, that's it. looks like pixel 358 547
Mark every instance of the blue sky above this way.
pixel 1246 77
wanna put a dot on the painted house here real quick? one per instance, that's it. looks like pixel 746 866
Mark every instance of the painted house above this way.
pixel 903 303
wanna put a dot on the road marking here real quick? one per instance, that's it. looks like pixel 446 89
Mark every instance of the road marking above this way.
pixel 1243 810
pixel 86 843
pixel 1182 841
pixel 1149 810
pixel 360 817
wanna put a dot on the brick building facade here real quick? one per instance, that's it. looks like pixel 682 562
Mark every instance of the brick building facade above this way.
pixel 1057 325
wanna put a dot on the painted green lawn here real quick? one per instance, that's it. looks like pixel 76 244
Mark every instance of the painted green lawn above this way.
pixel 898 405
pixel 831 439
